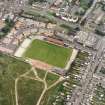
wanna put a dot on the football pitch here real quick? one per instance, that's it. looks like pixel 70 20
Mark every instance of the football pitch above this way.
pixel 48 53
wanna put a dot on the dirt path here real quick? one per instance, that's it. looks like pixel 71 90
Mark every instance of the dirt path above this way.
pixel 38 79
pixel 35 72
pixel 54 84
pixel 45 76
pixel 16 89
pixel 42 95
pixel 41 80
pixel 16 93
pixel 47 88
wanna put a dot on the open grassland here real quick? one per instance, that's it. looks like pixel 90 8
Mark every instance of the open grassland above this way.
pixel 41 73
pixel 22 85
pixel 50 96
pixel 35 85
pixel 29 91
pixel 10 69
pixel 50 79
pixel 48 53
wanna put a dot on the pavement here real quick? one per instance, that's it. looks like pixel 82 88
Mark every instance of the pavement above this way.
pixel 72 58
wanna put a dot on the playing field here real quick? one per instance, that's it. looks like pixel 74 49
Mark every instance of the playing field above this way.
pixel 48 53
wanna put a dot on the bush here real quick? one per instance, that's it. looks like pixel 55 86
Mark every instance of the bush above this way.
pixel 99 32
pixel 32 1
pixel 9 24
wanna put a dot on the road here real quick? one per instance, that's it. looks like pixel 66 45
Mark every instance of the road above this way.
pixel 89 10
pixel 89 77
pixel 44 13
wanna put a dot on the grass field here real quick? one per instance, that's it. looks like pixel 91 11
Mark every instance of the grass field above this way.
pixel 50 79
pixel 30 82
pixel 49 53
pixel 41 73
pixel 50 96
pixel 33 83
pixel 29 91
pixel 10 69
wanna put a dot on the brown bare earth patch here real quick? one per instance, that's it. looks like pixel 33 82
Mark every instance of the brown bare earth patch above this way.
pixel 41 65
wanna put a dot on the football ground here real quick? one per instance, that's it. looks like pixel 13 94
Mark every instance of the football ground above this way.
pixel 49 53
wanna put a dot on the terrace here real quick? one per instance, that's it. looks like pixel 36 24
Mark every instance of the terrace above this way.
pixel 99 95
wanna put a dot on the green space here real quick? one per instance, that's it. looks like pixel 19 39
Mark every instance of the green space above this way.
pixel 32 83
pixel 33 1
pixel 8 25
pixel 68 29
pixel 35 15
pixel 50 79
pixel 29 87
pixel 41 73
pixel 50 96
pixel 99 96
pixel 85 4
pixel 49 53
pixel 29 91
pixel 31 74
pixel 102 70
pixel 10 69
pixel 97 31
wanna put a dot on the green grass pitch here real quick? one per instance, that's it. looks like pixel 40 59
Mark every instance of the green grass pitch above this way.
pixel 48 53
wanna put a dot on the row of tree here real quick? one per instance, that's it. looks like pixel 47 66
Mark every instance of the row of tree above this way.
pixel 8 25
pixel 32 1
